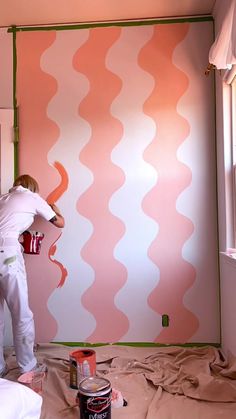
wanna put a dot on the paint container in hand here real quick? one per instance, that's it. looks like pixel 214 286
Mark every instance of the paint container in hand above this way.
pixel 94 398
pixel 82 365
pixel 32 241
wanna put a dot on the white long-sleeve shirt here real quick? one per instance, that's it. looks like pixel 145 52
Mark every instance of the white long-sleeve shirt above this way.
pixel 18 209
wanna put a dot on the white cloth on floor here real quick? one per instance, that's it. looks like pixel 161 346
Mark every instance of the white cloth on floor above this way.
pixel 18 401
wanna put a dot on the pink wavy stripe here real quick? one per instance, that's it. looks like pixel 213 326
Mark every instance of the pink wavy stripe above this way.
pixel 37 135
pixel 176 275
pixel 110 275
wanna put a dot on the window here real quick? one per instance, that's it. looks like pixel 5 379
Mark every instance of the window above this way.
pixel 229 133
pixel 233 139
pixel 226 161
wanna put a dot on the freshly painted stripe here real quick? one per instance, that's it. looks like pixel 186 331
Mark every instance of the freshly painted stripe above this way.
pixel 106 131
pixel 56 194
pixel 38 133
pixel 176 274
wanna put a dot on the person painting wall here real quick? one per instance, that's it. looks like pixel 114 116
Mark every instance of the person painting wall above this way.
pixel 18 209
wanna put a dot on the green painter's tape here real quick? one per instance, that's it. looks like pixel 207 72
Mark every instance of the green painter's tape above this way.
pixel 15 122
pixel 138 344
pixel 16 158
pixel 115 23
pixel 16 134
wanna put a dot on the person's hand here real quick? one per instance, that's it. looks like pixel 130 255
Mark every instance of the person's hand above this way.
pixel 59 221
pixel 55 209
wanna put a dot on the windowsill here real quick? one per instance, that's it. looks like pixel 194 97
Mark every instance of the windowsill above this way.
pixel 229 258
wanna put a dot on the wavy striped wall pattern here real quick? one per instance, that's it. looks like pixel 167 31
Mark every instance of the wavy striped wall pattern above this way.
pixel 111 127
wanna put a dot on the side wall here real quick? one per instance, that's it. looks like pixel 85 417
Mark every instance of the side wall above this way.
pixel 227 267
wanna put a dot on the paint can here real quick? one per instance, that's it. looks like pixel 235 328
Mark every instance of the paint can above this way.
pixel 94 398
pixel 31 242
pixel 82 365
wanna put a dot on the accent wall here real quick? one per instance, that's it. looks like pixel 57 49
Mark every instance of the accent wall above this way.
pixel 117 125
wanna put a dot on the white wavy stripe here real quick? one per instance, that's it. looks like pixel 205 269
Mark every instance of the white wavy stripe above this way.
pixel 198 201
pixel 74 135
pixel 140 177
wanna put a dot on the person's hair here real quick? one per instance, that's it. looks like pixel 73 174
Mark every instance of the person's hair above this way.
pixel 27 182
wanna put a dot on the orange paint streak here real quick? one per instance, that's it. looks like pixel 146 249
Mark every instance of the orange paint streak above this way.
pixel 106 132
pixel 176 274
pixel 51 199
pixel 62 187
pixel 63 270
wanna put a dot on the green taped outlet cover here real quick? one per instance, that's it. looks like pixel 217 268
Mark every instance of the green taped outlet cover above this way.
pixel 165 320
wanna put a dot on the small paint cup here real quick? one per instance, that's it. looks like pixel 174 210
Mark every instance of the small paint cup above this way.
pixel 33 380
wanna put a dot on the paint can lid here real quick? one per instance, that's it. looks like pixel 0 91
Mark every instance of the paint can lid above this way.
pixel 92 385
pixel 82 353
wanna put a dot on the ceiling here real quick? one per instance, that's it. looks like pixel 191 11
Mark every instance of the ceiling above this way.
pixel 40 12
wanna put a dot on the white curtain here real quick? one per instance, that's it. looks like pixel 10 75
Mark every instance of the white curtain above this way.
pixel 223 52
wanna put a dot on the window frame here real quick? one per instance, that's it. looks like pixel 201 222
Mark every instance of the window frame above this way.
pixel 228 245
pixel 233 145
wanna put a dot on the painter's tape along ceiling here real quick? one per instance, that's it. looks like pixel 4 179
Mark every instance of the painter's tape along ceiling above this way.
pixel 34 12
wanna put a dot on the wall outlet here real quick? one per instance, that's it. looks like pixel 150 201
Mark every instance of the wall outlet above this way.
pixel 165 320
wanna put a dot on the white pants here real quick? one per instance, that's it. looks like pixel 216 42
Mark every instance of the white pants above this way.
pixel 14 290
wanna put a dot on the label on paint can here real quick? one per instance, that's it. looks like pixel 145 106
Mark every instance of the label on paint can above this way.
pixel 95 398
pixel 82 365
pixel 32 241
